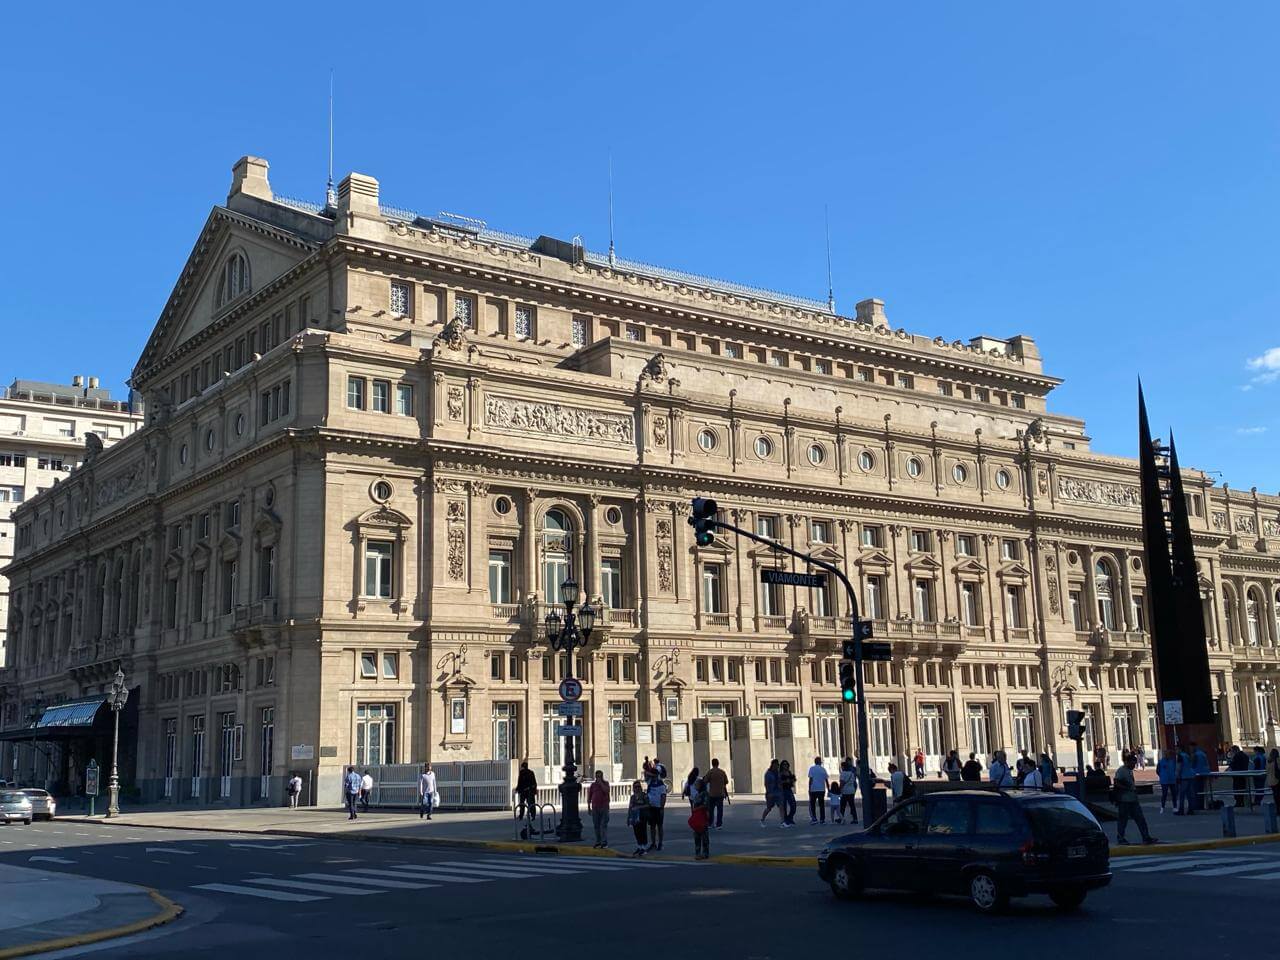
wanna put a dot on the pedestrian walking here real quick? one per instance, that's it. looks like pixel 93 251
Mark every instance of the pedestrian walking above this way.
pixel 897 783
pixel 950 766
pixel 1273 776
pixel 427 796
pixel 998 773
pixel 787 789
pixel 848 789
pixel 1199 763
pixel 717 784
pixel 700 822
pixel 366 791
pixel 638 815
pixel 1167 772
pixel 1048 772
pixel 1186 783
pixel 295 790
pixel 1238 762
pixel 919 762
pixel 687 791
pixel 1258 763
pixel 818 780
pixel 772 793
pixel 1127 805
pixel 1100 758
pixel 1032 778
pixel 351 791
pixel 598 804
pixel 657 807
pixel 833 800
pixel 972 770
pixel 527 791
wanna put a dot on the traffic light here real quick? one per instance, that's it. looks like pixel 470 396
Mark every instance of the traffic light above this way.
pixel 1075 724
pixel 704 512
pixel 848 685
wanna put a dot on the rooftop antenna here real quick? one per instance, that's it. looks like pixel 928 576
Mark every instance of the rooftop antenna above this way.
pixel 330 196
pixel 611 256
pixel 831 296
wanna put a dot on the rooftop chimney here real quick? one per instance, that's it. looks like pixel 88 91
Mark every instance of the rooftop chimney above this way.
pixel 77 381
pixel 249 177
pixel 93 383
pixel 871 311
pixel 358 200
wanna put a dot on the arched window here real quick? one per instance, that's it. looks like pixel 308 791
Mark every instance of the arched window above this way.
pixel 1104 587
pixel 557 553
pixel 234 280
pixel 1229 614
pixel 1252 617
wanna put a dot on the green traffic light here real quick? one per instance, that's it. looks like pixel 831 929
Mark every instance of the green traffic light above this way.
pixel 847 694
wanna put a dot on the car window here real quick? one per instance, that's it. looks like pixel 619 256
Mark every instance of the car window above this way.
pixel 993 819
pixel 949 816
pixel 907 819
pixel 1062 815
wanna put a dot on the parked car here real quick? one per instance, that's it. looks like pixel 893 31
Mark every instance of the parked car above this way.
pixel 43 806
pixel 988 845
pixel 14 805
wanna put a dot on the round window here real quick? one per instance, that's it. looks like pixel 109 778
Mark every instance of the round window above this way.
pixel 210 440
pixel 613 516
pixel 502 506
pixel 1002 479
pixel 707 440
pixel 959 473
pixel 382 491
pixel 764 447
pixel 914 467
pixel 866 461
pixel 239 424
pixel 183 453
pixel 817 454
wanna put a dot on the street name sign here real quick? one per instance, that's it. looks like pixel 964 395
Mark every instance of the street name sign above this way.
pixel 570 708
pixel 570 689
pixel 877 650
pixel 788 579
pixel 570 731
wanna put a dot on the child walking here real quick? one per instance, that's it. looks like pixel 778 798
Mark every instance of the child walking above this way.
pixel 833 801
pixel 700 824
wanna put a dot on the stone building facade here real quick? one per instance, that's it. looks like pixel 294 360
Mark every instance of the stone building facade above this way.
pixel 376 443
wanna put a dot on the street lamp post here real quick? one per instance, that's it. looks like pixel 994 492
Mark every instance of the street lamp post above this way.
pixel 564 634
pixel 117 698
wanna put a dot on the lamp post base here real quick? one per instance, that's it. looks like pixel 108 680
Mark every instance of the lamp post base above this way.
pixel 570 827
pixel 113 799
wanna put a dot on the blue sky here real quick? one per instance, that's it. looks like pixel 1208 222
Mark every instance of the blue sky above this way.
pixel 1103 179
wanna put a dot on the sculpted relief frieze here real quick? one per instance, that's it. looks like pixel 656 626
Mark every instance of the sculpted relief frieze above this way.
pixel 120 485
pixel 511 415
pixel 1102 492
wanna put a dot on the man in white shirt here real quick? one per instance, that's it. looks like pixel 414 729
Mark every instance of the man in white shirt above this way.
pixel 657 807
pixel 999 770
pixel 897 783
pixel 818 780
pixel 1032 781
pixel 426 791
pixel 295 790
pixel 366 791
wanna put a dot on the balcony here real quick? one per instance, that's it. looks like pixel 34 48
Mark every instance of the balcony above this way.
pixel 505 612
pixel 1119 645
pixel 255 614
pixel 909 637
pixel 96 653
pixel 1251 657
pixel 714 621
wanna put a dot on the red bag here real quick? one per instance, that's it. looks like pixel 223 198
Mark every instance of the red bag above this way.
pixel 699 820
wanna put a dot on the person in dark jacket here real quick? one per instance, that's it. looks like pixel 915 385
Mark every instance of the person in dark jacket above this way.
pixel 972 769
pixel 1238 762
pixel 526 791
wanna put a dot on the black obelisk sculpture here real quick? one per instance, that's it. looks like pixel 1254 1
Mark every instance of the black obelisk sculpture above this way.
pixel 1179 647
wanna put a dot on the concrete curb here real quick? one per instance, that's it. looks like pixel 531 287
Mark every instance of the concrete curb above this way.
pixel 1188 846
pixel 168 912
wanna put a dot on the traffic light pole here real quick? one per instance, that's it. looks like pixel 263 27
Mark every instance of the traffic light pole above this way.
pixel 860 713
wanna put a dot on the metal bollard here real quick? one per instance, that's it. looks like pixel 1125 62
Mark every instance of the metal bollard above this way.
pixel 1269 818
pixel 1228 820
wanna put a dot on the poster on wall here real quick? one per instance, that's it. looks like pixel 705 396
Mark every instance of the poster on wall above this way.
pixel 458 715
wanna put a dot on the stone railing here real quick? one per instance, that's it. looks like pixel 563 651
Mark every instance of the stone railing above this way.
pixel 1120 645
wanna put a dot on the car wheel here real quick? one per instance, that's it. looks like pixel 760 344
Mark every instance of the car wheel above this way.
pixel 846 883
pixel 1068 898
pixel 985 892
pixel 27 821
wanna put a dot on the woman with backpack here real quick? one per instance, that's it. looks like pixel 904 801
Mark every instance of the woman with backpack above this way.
pixel 689 785
pixel 638 816
pixel 848 790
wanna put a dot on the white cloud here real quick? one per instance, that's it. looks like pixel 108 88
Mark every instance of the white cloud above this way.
pixel 1267 365
pixel 1250 431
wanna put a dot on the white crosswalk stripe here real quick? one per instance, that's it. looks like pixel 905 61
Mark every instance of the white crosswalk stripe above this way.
pixel 290 884
pixel 495 872
pixel 254 892
pixel 1181 863
pixel 343 878
pixel 553 865
pixel 620 861
pixel 426 873
pixel 1253 867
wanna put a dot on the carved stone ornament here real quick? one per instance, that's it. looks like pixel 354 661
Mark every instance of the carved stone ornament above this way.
pixel 455 403
pixel 120 485
pixel 452 336
pixel 663 528
pixel 456 514
pixel 1271 528
pixel 660 432
pixel 512 415
pixel 1219 521
pixel 1102 492
pixel 656 370
pixel 1053 594
pixel 1042 482
pixel 1245 523
pixel 479 488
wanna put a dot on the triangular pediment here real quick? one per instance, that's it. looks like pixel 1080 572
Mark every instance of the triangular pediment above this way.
pixel 968 565
pixel 1015 570
pixel 194 305
pixel 924 562
pixel 875 558
pixel 826 552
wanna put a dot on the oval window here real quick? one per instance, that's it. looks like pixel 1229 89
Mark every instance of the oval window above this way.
pixel 866 461
pixel 239 424
pixel 914 467
pixel 382 491
pixel 210 440
pixel 817 454
pixel 613 516
pixel 959 473
pixel 1002 479
pixel 707 440
pixel 502 506
pixel 764 447
pixel 183 453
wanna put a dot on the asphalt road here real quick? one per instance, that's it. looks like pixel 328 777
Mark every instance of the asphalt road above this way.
pixel 266 897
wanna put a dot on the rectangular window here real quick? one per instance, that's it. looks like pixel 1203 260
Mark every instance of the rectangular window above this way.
pixel 872 536
pixel 634 334
pixel 760 671
pixel 513 667
pixel 712 588
pixel 495 666
pixel 1013 606
pixel 733 351
pixel 404 400
pixel 822 366
pixel 767 526
pixel 229 570
pixel 777 359
pixel 390 665
pixel 611 581
pixel 579 333
pixel 1138 611
pixel 772 600
pixel 375 734
pixel 944 389
pixel 546 667
pixel 875 598
pixel 906 381
pixel 464 310
pixel 204 526
pixel 922 595
pixel 267 572
pixel 499 576
pixel 355 393
pixel 1076 601
pixel 1009 550
pixel 921 542
pixel 524 322
pixel 964 545
pixel 700 669
pixel 377 568
pixel 969 604
pixel 381 396
pixel 1017 400
pixel 628 668
pixel 982 394
pixel 865 375
pixel 197 596
pixel 400 298
pixel 233 513
pixel 369 665
pixel 820 531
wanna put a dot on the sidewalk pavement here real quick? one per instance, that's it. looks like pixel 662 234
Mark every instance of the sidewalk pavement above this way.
pixel 741 837
pixel 42 911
